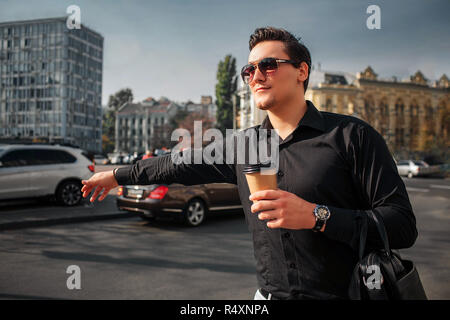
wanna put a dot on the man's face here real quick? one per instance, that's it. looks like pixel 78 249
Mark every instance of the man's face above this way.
pixel 281 84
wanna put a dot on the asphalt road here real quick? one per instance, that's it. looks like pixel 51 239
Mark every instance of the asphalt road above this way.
pixel 132 259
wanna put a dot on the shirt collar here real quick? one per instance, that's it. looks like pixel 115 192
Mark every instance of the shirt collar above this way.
pixel 312 118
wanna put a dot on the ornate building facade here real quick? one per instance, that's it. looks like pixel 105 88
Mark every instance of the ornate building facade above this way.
pixel 412 115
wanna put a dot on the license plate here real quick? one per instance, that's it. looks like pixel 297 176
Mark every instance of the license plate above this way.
pixel 135 193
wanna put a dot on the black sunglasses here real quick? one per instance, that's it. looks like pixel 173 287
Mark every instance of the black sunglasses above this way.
pixel 266 64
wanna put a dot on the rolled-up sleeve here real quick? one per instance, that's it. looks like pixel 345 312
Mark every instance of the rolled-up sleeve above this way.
pixel 375 174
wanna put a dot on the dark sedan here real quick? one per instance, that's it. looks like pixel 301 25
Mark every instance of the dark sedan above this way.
pixel 189 203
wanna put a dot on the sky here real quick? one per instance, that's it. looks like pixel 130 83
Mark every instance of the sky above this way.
pixel 172 48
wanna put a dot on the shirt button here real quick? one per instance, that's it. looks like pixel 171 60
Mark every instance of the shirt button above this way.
pixel 280 173
pixel 292 265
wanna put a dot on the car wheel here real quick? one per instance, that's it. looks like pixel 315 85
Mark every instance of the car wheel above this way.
pixel 194 213
pixel 410 175
pixel 69 193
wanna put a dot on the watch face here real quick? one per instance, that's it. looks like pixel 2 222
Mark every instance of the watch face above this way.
pixel 323 213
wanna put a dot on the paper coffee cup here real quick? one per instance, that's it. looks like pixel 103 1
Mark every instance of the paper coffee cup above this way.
pixel 260 177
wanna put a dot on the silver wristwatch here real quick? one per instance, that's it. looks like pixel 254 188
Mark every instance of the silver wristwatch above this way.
pixel 322 214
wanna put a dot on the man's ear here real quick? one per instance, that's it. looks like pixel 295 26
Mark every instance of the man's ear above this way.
pixel 302 72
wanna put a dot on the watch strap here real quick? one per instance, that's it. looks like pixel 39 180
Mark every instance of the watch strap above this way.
pixel 319 224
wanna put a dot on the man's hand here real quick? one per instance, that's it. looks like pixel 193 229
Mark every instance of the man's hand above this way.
pixel 101 181
pixel 283 209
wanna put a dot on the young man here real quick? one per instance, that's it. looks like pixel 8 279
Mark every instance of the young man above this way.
pixel 333 168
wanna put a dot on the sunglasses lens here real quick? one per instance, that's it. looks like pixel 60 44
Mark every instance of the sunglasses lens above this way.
pixel 247 73
pixel 268 64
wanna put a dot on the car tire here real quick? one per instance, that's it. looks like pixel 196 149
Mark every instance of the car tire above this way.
pixel 194 213
pixel 69 193
pixel 410 175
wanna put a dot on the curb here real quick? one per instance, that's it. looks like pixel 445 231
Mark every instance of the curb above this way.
pixel 50 222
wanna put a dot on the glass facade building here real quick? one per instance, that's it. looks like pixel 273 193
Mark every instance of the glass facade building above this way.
pixel 51 83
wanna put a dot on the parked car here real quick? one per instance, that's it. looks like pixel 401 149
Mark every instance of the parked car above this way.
pixel 99 159
pixel 115 158
pixel 190 204
pixel 41 170
pixel 161 152
pixel 413 168
pixel 127 159
pixel 137 158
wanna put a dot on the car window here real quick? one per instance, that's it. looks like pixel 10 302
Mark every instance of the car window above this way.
pixel 418 163
pixel 17 158
pixel 88 155
pixel 65 157
pixel 32 157
pixel 47 156
pixel 403 163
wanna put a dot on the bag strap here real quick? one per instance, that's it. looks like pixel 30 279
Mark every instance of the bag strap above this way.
pixel 362 236
pixel 381 230
pixel 388 271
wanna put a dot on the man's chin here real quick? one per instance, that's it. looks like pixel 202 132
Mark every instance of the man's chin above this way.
pixel 264 105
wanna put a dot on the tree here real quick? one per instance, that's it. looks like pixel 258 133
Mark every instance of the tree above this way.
pixel 185 120
pixel 119 98
pixel 107 145
pixel 109 117
pixel 179 116
pixel 225 89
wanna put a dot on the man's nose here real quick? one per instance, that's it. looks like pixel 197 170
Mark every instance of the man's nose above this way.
pixel 258 76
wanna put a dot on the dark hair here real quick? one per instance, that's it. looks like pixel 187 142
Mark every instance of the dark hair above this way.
pixel 296 50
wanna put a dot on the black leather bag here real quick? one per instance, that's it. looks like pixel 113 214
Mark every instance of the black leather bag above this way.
pixel 382 274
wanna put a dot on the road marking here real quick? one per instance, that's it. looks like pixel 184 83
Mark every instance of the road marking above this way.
pixel 417 189
pixel 439 186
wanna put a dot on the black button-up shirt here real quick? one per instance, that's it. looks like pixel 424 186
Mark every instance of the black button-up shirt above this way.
pixel 330 159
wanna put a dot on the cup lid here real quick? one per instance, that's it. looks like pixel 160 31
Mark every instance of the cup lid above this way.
pixel 253 168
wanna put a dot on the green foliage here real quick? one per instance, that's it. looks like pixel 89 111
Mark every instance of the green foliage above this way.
pixel 119 98
pixel 109 117
pixel 225 88
pixel 179 117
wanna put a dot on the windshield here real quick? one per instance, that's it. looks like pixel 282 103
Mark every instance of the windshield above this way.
pixel 419 163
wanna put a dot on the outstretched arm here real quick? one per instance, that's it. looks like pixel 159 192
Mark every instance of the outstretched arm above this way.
pixel 165 169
